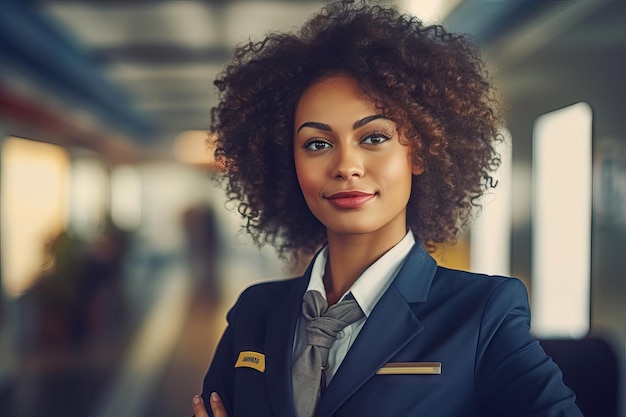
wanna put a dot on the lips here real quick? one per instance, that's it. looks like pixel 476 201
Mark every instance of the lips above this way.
pixel 347 200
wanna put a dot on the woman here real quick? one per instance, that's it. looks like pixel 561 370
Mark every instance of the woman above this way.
pixel 370 136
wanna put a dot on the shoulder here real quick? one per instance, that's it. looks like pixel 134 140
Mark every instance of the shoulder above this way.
pixel 263 296
pixel 494 290
pixel 270 288
pixel 480 282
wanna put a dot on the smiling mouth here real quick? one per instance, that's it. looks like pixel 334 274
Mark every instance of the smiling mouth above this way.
pixel 350 199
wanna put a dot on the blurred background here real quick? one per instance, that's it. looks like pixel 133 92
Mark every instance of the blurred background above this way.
pixel 119 256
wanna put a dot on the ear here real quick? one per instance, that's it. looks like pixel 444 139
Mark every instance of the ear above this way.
pixel 417 170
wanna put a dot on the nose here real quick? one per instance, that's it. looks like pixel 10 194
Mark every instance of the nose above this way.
pixel 347 163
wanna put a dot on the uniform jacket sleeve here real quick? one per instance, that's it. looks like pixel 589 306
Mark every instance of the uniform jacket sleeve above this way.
pixel 514 376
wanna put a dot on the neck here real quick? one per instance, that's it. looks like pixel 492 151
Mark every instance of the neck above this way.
pixel 349 256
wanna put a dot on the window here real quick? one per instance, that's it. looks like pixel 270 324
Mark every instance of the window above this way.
pixel 560 283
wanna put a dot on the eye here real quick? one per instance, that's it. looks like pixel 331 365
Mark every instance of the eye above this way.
pixel 316 145
pixel 375 138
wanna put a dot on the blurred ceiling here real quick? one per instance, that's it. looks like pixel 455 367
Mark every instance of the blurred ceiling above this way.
pixel 143 70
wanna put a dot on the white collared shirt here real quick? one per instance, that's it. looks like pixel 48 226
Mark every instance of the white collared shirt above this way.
pixel 366 290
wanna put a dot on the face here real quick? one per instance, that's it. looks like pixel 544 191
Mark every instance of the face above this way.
pixel 353 170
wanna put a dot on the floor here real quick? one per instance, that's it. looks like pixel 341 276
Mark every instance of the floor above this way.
pixel 152 366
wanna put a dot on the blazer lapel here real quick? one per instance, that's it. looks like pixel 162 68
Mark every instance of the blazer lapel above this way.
pixel 390 326
pixel 280 330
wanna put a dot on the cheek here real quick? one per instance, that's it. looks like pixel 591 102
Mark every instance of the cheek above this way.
pixel 307 186
pixel 306 179
pixel 396 171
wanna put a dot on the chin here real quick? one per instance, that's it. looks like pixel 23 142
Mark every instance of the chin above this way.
pixel 352 228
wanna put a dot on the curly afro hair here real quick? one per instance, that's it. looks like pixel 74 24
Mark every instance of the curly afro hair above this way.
pixel 432 83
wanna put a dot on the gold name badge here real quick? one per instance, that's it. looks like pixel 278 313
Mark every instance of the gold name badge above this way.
pixel 254 360
pixel 410 368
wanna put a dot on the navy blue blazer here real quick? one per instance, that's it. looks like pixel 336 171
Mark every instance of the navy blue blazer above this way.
pixel 475 326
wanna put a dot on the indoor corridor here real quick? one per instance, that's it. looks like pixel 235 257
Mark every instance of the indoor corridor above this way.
pixel 143 347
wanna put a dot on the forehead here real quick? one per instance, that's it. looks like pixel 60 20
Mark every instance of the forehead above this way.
pixel 334 97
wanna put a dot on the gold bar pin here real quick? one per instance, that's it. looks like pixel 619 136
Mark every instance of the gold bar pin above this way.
pixel 410 368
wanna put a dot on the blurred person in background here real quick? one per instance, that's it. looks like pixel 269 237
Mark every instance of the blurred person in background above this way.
pixel 79 297
pixel 203 241
pixel 367 138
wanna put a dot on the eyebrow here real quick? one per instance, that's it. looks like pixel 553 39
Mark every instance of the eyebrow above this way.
pixel 327 128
